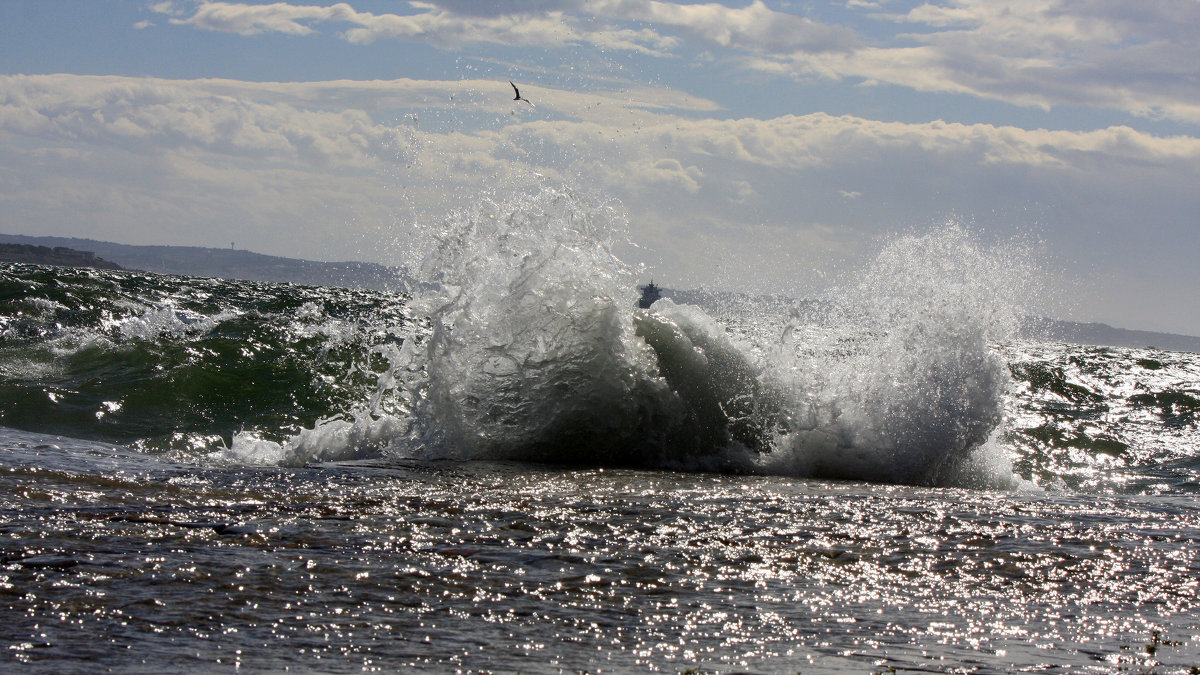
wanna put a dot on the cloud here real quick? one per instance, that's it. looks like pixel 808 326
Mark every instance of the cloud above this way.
pixel 658 174
pixel 1100 53
pixel 603 23
pixel 152 114
pixel 539 24
pixel 278 17
pixel 331 126
pixel 1040 53
pixel 329 169
pixel 754 28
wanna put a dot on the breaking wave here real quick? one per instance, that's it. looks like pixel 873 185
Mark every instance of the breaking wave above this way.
pixel 536 352
pixel 529 346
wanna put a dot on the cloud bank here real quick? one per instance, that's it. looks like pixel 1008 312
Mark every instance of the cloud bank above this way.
pixel 343 170
pixel 1135 59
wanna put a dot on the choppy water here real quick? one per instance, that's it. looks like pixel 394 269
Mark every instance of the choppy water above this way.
pixel 519 471
pixel 111 560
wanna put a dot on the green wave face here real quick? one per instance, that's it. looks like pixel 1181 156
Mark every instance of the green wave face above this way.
pixel 178 363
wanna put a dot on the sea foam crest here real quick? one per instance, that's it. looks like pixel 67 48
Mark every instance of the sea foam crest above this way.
pixel 370 429
pixel 164 319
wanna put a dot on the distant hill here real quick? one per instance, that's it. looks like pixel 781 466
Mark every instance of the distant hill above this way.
pixel 59 255
pixel 1106 335
pixel 229 263
pixel 1037 328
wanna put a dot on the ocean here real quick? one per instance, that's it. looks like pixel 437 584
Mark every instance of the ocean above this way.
pixel 512 468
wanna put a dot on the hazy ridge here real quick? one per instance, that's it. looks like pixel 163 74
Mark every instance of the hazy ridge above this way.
pixel 230 263
pixel 59 255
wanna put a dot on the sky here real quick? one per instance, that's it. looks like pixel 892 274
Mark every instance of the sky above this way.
pixel 765 146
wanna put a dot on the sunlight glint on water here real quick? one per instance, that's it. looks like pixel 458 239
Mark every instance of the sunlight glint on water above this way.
pixel 200 474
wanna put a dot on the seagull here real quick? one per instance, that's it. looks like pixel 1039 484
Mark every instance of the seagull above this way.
pixel 518 93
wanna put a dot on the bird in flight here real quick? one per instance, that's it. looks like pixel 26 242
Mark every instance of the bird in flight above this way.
pixel 518 93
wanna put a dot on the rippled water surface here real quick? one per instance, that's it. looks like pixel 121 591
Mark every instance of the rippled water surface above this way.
pixel 513 469
pixel 113 560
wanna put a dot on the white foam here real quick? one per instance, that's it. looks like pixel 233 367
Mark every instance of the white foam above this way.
pixel 921 391
pixel 164 319
pixel 537 352
pixel 533 350
pixel 364 437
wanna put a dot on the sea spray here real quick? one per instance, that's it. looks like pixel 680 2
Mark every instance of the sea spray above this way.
pixel 533 353
pixel 918 389
pixel 534 350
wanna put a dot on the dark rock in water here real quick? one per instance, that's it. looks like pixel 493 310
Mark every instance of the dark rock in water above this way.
pixel 650 293
pixel 60 256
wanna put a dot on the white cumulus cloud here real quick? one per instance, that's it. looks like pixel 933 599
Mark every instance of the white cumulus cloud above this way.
pixel 1137 59
pixel 329 170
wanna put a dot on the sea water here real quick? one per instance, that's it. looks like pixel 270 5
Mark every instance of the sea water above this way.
pixel 514 469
